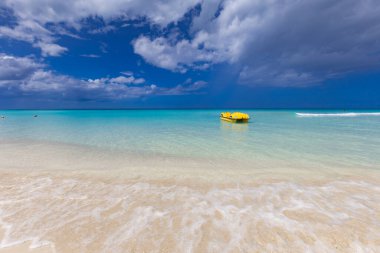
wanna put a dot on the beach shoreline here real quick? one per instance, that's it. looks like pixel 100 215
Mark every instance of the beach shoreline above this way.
pixel 70 213
pixel 169 204
pixel 129 181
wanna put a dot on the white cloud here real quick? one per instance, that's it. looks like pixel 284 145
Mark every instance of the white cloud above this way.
pixel 50 49
pixel 34 33
pixel 43 80
pixel 139 81
pixel 90 55
pixel 121 79
pixel 16 68
pixel 33 16
pixel 127 73
pixel 275 42
pixel 127 80
pixel 104 29
pixel 177 57
pixel 159 12
pixel 23 75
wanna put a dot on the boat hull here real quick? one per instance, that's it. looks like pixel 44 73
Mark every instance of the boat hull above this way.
pixel 234 120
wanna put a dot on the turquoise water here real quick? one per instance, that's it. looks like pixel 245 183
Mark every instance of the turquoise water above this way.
pixel 317 137
pixel 307 181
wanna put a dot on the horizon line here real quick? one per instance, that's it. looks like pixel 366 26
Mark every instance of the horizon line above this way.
pixel 191 108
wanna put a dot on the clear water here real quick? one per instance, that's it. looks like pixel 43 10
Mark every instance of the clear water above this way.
pixel 320 137
pixel 186 204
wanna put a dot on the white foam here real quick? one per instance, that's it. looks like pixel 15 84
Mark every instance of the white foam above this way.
pixel 148 213
pixel 345 114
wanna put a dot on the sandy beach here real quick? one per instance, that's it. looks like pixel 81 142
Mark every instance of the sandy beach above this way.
pixel 52 209
pixel 189 126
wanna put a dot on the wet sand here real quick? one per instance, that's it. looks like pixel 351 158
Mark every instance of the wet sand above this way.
pixel 25 248
pixel 65 199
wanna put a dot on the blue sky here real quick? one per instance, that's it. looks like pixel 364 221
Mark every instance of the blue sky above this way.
pixel 189 54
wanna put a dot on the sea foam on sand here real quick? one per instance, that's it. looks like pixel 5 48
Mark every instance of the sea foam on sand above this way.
pixel 88 215
pixel 160 206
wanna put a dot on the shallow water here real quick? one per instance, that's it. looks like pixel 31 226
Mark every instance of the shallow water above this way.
pixel 271 135
pixel 183 181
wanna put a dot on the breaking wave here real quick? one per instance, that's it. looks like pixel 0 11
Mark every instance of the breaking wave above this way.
pixel 346 114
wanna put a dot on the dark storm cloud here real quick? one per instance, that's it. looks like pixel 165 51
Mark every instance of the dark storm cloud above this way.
pixel 314 40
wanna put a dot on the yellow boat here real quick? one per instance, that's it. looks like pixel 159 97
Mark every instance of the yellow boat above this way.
pixel 235 117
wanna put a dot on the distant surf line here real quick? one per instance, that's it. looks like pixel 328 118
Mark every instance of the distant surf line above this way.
pixel 346 114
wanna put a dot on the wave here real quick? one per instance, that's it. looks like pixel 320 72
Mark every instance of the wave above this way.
pixel 346 114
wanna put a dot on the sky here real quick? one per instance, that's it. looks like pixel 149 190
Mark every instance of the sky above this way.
pixel 189 54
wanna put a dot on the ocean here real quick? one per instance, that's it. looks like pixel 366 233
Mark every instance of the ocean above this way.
pixel 326 138
pixel 185 181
